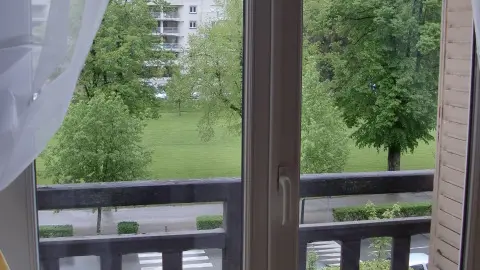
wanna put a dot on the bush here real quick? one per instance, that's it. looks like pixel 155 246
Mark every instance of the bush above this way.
pixel 367 265
pixel 49 231
pixel 127 227
pixel 209 222
pixel 360 212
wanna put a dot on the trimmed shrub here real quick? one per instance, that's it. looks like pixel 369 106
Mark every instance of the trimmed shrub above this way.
pixel 368 265
pixel 359 212
pixel 49 231
pixel 209 222
pixel 127 227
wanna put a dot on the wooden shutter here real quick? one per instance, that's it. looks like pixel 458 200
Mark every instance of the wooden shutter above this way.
pixel 452 132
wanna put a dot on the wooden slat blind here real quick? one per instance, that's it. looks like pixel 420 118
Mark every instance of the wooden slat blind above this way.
pixel 452 130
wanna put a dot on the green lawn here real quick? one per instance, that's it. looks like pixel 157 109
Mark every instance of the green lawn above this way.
pixel 178 152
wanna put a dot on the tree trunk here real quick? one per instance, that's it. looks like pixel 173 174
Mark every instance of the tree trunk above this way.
pixel 179 111
pixel 99 219
pixel 393 158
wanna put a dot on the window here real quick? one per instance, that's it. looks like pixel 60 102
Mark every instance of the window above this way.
pixel 193 24
pixel 193 9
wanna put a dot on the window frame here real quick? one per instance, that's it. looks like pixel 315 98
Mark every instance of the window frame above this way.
pixel 194 23
pixel 194 9
pixel 271 145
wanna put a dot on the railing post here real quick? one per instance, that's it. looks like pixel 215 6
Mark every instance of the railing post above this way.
pixel 232 224
pixel 350 255
pixel 110 261
pixel 302 253
pixel 400 253
pixel 50 264
pixel 172 260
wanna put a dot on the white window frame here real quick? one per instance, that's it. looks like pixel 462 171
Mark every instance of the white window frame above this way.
pixel 194 23
pixel 271 145
pixel 194 9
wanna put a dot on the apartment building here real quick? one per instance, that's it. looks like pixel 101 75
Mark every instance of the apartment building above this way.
pixel 176 25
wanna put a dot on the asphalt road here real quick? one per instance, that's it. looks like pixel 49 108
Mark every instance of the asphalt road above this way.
pixel 182 217
pixel 212 259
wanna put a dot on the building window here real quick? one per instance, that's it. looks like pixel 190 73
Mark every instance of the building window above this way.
pixel 193 24
pixel 193 9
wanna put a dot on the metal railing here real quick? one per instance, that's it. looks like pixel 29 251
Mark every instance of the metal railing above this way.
pixel 167 15
pixel 110 248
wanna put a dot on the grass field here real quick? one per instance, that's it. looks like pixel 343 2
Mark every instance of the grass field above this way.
pixel 178 152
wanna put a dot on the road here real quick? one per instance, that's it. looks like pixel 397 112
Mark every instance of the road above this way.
pixel 328 254
pixel 182 217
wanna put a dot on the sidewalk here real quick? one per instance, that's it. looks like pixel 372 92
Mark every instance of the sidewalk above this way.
pixel 183 217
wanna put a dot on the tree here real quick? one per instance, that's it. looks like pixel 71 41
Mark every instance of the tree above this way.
pixel 180 91
pixel 122 57
pixel 324 135
pixel 213 68
pixel 99 141
pixel 381 58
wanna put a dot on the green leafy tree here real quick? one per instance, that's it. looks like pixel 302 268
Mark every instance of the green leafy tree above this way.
pixel 180 91
pixel 122 56
pixel 213 68
pixel 381 245
pixel 99 141
pixel 381 58
pixel 324 135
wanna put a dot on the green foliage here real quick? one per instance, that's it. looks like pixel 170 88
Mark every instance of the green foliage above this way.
pixel 324 135
pixel 381 245
pixel 368 265
pixel 312 260
pixel 381 59
pixel 48 231
pixel 209 222
pixel 127 227
pixel 116 62
pixel 361 213
pixel 99 141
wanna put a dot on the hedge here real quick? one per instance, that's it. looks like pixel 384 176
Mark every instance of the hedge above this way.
pixel 359 212
pixel 367 265
pixel 209 222
pixel 48 231
pixel 127 227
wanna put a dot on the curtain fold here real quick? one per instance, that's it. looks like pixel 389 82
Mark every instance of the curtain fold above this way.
pixel 43 47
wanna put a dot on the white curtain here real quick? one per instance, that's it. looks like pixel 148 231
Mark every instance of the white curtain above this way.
pixel 43 46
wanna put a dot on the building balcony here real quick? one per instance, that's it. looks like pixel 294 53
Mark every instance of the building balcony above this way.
pixel 167 30
pixel 167 16
pixel 176 47
pixel 348 235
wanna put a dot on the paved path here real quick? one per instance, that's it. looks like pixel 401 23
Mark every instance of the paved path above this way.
pixel 182 217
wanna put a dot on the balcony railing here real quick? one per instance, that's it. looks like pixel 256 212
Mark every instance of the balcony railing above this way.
pixel 170 29
pixel 110 248
pixel 167 15
pixel 167 46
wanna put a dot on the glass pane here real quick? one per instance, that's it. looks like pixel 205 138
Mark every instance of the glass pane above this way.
pixel 145 171
pixel 370 79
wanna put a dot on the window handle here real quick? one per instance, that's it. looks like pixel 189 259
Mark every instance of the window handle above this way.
pixel 286 186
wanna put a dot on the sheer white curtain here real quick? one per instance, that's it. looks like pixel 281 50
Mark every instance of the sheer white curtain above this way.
pixel 43 46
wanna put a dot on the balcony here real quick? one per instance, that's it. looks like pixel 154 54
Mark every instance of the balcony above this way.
pixel 110 248
pixel 176 47
pixel 172 16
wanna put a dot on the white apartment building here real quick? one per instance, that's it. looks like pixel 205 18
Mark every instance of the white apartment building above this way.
pixel 181 20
